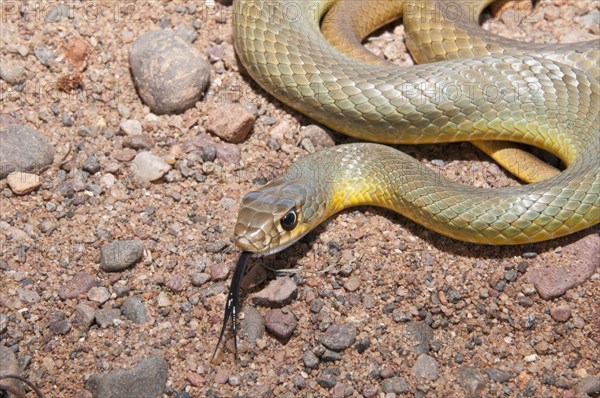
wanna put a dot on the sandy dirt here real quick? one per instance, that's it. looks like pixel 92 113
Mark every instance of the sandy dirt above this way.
pixel 406 274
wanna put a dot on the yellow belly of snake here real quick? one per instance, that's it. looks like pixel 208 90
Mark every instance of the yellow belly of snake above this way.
pixel 486 88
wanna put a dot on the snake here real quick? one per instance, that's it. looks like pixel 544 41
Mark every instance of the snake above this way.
pixel 468 85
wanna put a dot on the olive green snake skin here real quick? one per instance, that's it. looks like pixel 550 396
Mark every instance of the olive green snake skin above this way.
pixel 484 88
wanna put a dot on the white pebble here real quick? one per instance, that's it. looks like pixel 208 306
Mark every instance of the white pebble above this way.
pixel 148 167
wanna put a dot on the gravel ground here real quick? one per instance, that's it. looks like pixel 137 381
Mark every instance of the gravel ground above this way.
pixel 112 285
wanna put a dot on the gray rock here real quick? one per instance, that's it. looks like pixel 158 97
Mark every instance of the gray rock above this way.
pixel 44 55
pixel 338 337
pixel 149 167
pixel 420 335
pixel 331 356
pixel 119 255
pixel 498 375
pixel 471 381
pixel 28 296
pixel 23 149
pixel 84 316
pixel 106 316
pixel 395 385
pixel 426 367
pixel 9 365
pixel 310 360
pixel 252 325
pixel 213 289
pixel 59 323
pixel 12 73
pixel 134 310
pixel 91 164
pixel 588 386
pixel 199 278
pixel 278 293
pixel 169 73
pixel 146 380
pixel 328 377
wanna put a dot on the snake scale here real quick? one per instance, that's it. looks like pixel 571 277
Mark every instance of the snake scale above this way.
pixel 484 88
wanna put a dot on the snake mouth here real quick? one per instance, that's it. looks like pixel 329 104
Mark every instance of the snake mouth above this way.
pixel 246 244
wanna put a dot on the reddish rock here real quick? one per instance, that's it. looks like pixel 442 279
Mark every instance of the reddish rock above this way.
pixel 124 155
pixel 81 283
pixel 221 376
pixel 281 323
pixel 560 313
pixel 553 282
pixel 219 272
pixel 230 122
pixel 195 379
pixel 278 293
pixel 177 283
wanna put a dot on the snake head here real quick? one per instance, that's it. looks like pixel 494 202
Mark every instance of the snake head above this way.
pixel 283 211
pixel 272 218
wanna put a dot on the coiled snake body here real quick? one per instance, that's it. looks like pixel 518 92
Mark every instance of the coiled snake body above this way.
pixel 488 88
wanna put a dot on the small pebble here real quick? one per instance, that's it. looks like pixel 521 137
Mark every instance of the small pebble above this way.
pixel 23 183
pixel 98 294
pixel 44 55
pixel 280 323
pixel 149 167
pixel 395 385
pixel 134 310
pixel 362 345
pixel 327 378
pixel 222 376
pixel 338 337
pixel 177 283
pixel 319 137
pixel 560 313
pixel 106 316
pixel 131 127
pixel 310 360
pixel 352 283
pixel 80 284
pixel 230 122
pixel 84 316
pixel 91 165
pixel 426 367
pixel 252 324
pixel 199 278
pixel 278 293
pixel 138 141
pixel 589 385
pixel 498 375
pixel 12 73
pixel 119 255
pixel 471 381
pixel 163 300
pixel 59 324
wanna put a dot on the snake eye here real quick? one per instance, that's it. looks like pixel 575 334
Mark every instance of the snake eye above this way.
pixel 290 220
